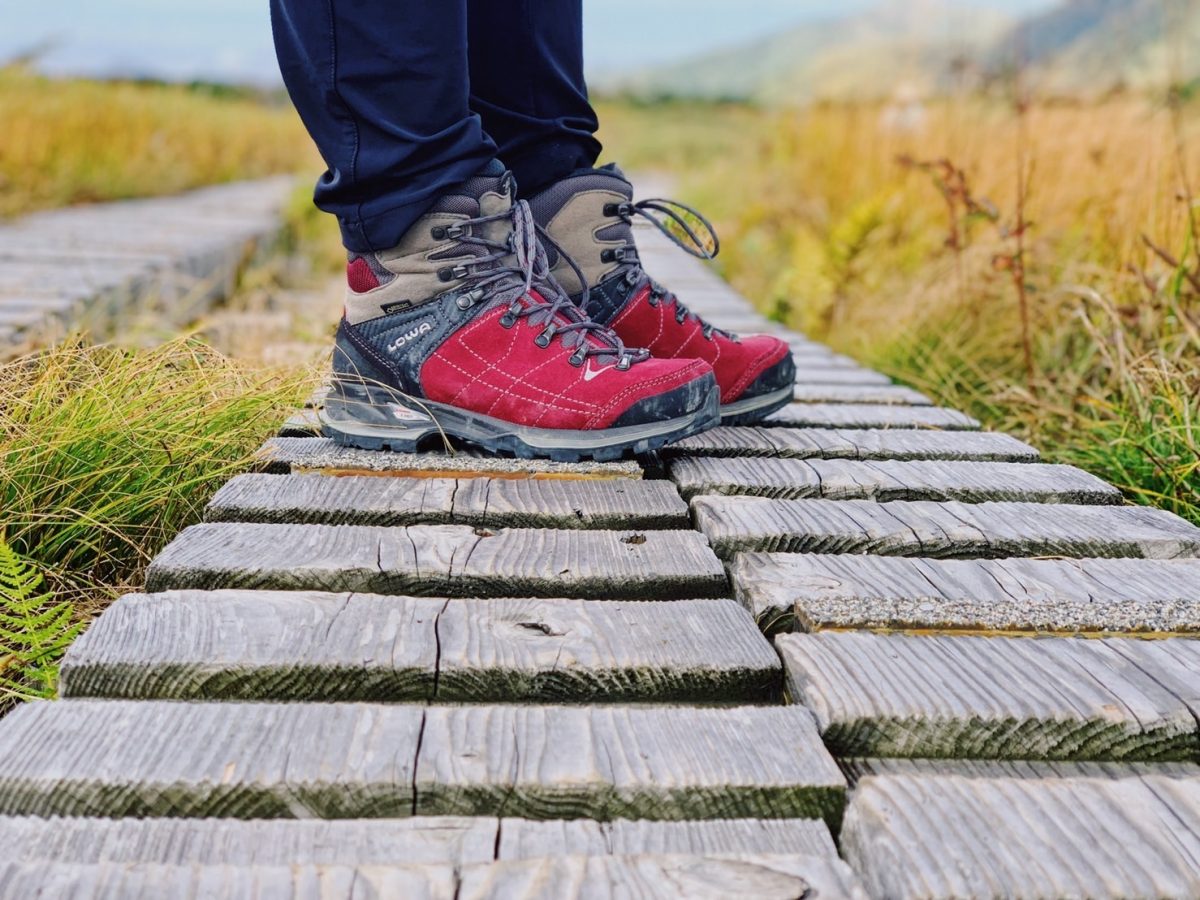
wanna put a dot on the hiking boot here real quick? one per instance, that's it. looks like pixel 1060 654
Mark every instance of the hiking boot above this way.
pixel 589 216
pixel 460 331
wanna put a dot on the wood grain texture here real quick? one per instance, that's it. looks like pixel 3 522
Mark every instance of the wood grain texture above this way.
pixel 441 560
pixel 259 842
pixel 665 877
pixel 858 768
pixel 703 651
pixel 886 481
pixel 529 839
pixel 885 394
pixel 258 645
pixel 819 372
pixel 869 415
pixel 265 645
pixel 313 454
pixel 148 881
pixel 909 836
pixel 231 760
pixel 814 592
pixel 608 762
pixel 484 502
pixel 983 698
pixel 347 761
pixel 1174 664
pixel 820 443
pixel 942 530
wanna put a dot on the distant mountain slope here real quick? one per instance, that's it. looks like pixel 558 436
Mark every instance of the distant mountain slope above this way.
pixel 913 41
pixel 1093 45
pixel 1077 46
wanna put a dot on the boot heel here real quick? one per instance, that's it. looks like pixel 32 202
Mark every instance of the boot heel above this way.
pixel 374 417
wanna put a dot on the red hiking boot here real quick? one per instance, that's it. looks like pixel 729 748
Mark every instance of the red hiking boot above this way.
pixel 589 216
pixel 461 331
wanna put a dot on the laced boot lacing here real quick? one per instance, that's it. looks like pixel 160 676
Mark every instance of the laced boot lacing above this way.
pixel 701 247
pixel 513 284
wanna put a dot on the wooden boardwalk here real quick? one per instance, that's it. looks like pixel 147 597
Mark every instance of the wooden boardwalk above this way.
pixel 105 269
pixel 866 650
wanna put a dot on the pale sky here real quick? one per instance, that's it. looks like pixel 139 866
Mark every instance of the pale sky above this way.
pixel 230 40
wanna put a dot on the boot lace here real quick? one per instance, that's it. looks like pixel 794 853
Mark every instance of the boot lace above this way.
pixel 687 229
pixel 516 273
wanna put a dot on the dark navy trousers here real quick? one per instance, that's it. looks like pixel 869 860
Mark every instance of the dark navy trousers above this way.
pixel 407 98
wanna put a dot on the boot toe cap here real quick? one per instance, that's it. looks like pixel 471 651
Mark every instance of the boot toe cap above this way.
pixel 692 396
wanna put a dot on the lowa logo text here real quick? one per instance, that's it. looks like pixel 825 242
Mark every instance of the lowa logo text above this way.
pixel 415 332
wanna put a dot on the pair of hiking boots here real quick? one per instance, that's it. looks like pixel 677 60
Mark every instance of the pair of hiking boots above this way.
pixel 530 328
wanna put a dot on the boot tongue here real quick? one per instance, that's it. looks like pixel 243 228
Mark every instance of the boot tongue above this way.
pixel 487 193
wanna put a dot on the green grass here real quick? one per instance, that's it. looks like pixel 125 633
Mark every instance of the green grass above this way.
pixel 105 454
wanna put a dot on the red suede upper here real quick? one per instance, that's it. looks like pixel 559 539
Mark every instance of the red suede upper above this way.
pixel 736 363
pixel 501 372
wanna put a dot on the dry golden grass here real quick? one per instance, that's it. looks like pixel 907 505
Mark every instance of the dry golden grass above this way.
pixel 72 141
pixel 826 229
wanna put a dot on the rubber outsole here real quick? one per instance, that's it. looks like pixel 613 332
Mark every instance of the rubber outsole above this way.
pixel 356 416
pixel 751 410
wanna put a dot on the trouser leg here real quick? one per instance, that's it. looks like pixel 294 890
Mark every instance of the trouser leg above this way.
pixel 383 88
pixel 527 84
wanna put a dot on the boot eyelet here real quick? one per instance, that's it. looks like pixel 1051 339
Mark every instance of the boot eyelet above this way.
pixel 577 359
pixel 543 340
pixel 453 273
pixel 469 299
pixel 438 232
pixel 508 320
pixel 624 363
pixel 455 231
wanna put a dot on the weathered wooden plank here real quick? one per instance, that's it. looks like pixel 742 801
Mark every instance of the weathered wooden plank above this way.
pixel 782 877
pixel 822 372
pixel 529 839
pixel 342 760
pixel 258 645
pixel 888 480
pixel 1175 664
pixel 267 645
pixel 819 443
pixel 233 760
pixel 983 698
pixel 869 415
pixel 814 592
pixel 609 762
pixel 303 423
pixel 312 454
pixel 162 882
pixel 441 560
pixel 320 499
pixel 909 837
pixel 496 503
pixel 945 530
pixel 858 768
pixel 665 877
pixel 885 394
pixel 258 842
pixel 706 651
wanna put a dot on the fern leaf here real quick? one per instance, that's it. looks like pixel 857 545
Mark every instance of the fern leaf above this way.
pixel 34 630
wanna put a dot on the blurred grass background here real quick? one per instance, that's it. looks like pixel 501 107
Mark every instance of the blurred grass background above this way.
pixel 829 224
